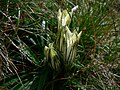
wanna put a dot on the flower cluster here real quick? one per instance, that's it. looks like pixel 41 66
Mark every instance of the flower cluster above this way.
pixel 66 41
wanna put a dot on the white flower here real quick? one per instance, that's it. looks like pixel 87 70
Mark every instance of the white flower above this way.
pixel 75 8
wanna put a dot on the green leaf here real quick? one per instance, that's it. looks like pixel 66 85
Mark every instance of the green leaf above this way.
pixel 40 80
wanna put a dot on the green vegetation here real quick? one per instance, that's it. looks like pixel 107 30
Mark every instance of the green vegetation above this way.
pixel 59 45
